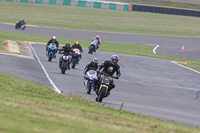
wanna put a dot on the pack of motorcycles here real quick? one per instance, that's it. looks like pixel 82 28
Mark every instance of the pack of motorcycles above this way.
pixel 91 76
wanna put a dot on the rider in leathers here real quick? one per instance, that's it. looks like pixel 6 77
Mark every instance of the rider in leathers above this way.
pixel 78 46
pixel 53 40
pixel 93 65
pixel 109 67
pixel 66 50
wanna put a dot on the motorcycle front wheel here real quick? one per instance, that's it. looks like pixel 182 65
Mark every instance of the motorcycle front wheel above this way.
pixel 101 94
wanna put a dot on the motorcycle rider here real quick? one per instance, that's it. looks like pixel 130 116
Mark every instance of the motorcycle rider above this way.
pixel 66 50
pixel 20 22
pixel 99 40
pixel 78 46
pixel 109 67
pixel 52 40
pixel 93 65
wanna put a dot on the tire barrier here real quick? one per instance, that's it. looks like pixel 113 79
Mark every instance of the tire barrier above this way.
pixel 83 3
pixel 118 6
pixel 165 10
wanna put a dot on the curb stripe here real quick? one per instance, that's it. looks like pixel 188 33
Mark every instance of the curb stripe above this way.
pixel 43 68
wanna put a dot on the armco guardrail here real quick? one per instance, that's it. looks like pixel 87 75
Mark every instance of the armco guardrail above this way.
pixel 165 10
pixel 83 3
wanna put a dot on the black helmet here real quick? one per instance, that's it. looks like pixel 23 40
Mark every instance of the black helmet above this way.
pixel 67 44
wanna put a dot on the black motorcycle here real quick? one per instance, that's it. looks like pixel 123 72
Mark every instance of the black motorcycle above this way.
pixel 93 46
pixel 104 87
pixel 20 24
pixel 65 63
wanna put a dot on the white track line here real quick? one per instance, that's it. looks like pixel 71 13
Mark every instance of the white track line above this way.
pixel 185 67
pixel 154 50
pixel 47 75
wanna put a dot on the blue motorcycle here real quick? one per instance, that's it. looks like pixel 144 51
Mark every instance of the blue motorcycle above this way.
pixel 75 57
pixel 52 51
pixel 90 77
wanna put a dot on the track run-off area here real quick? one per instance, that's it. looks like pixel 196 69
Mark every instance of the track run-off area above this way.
pixel 148 86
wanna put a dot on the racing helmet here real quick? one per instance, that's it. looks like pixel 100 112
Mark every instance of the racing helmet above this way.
pixel 95 60
pixel 77 43
pixel 97 37
pixel 114 59
pixel 54 38
pixel 67 44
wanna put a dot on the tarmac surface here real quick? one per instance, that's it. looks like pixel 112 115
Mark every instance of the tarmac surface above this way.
pixel 148 86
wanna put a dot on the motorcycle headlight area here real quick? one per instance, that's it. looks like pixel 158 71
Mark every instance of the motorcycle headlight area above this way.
pixel 91 76
pixel 65 57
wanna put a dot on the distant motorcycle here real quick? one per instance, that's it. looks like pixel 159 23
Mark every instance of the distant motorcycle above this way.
pixel 20 25
pixel 93 46
pixel 105 85
pixel 65 62
pixel 90 77
pixel 75 57
pixel 51 51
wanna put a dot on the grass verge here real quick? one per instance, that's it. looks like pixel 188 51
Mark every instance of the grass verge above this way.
pixel 1 44
pixel 127 48
pixel 71 17
pixel 30 107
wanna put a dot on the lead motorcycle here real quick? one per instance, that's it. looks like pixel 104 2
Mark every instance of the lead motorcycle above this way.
pixel 90 78
pixel 51 52
pixel 75 57
pixel 20 25
pixel 93 46
pixel 104 87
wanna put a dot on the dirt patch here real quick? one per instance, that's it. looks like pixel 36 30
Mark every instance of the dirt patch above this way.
pixel 5 44
pixel 24 49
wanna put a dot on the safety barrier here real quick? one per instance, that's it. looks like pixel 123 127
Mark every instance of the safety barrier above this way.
pixel 165 10
pixel 118 6
pixel 83 3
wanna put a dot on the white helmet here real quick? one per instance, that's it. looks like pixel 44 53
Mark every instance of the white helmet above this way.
pixel 54 37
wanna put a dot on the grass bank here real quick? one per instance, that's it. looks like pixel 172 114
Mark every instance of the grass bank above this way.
pixel 99 19
pixel 30 107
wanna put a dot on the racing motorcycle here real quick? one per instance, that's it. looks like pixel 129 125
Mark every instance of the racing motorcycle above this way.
pixel 75 57
pixel 93 46
pixel 64 65
pixel 20 25
pixel 104 87
pixel 51 51
pixel 90 77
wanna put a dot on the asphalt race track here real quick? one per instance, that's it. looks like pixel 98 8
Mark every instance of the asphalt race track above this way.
pixel 169 45
pixel 148 86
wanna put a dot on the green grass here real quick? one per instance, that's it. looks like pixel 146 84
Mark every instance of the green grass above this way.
pixel 99 19
pixel 1 44
pixel 127 48
pixel 29 107
pixel 170 3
